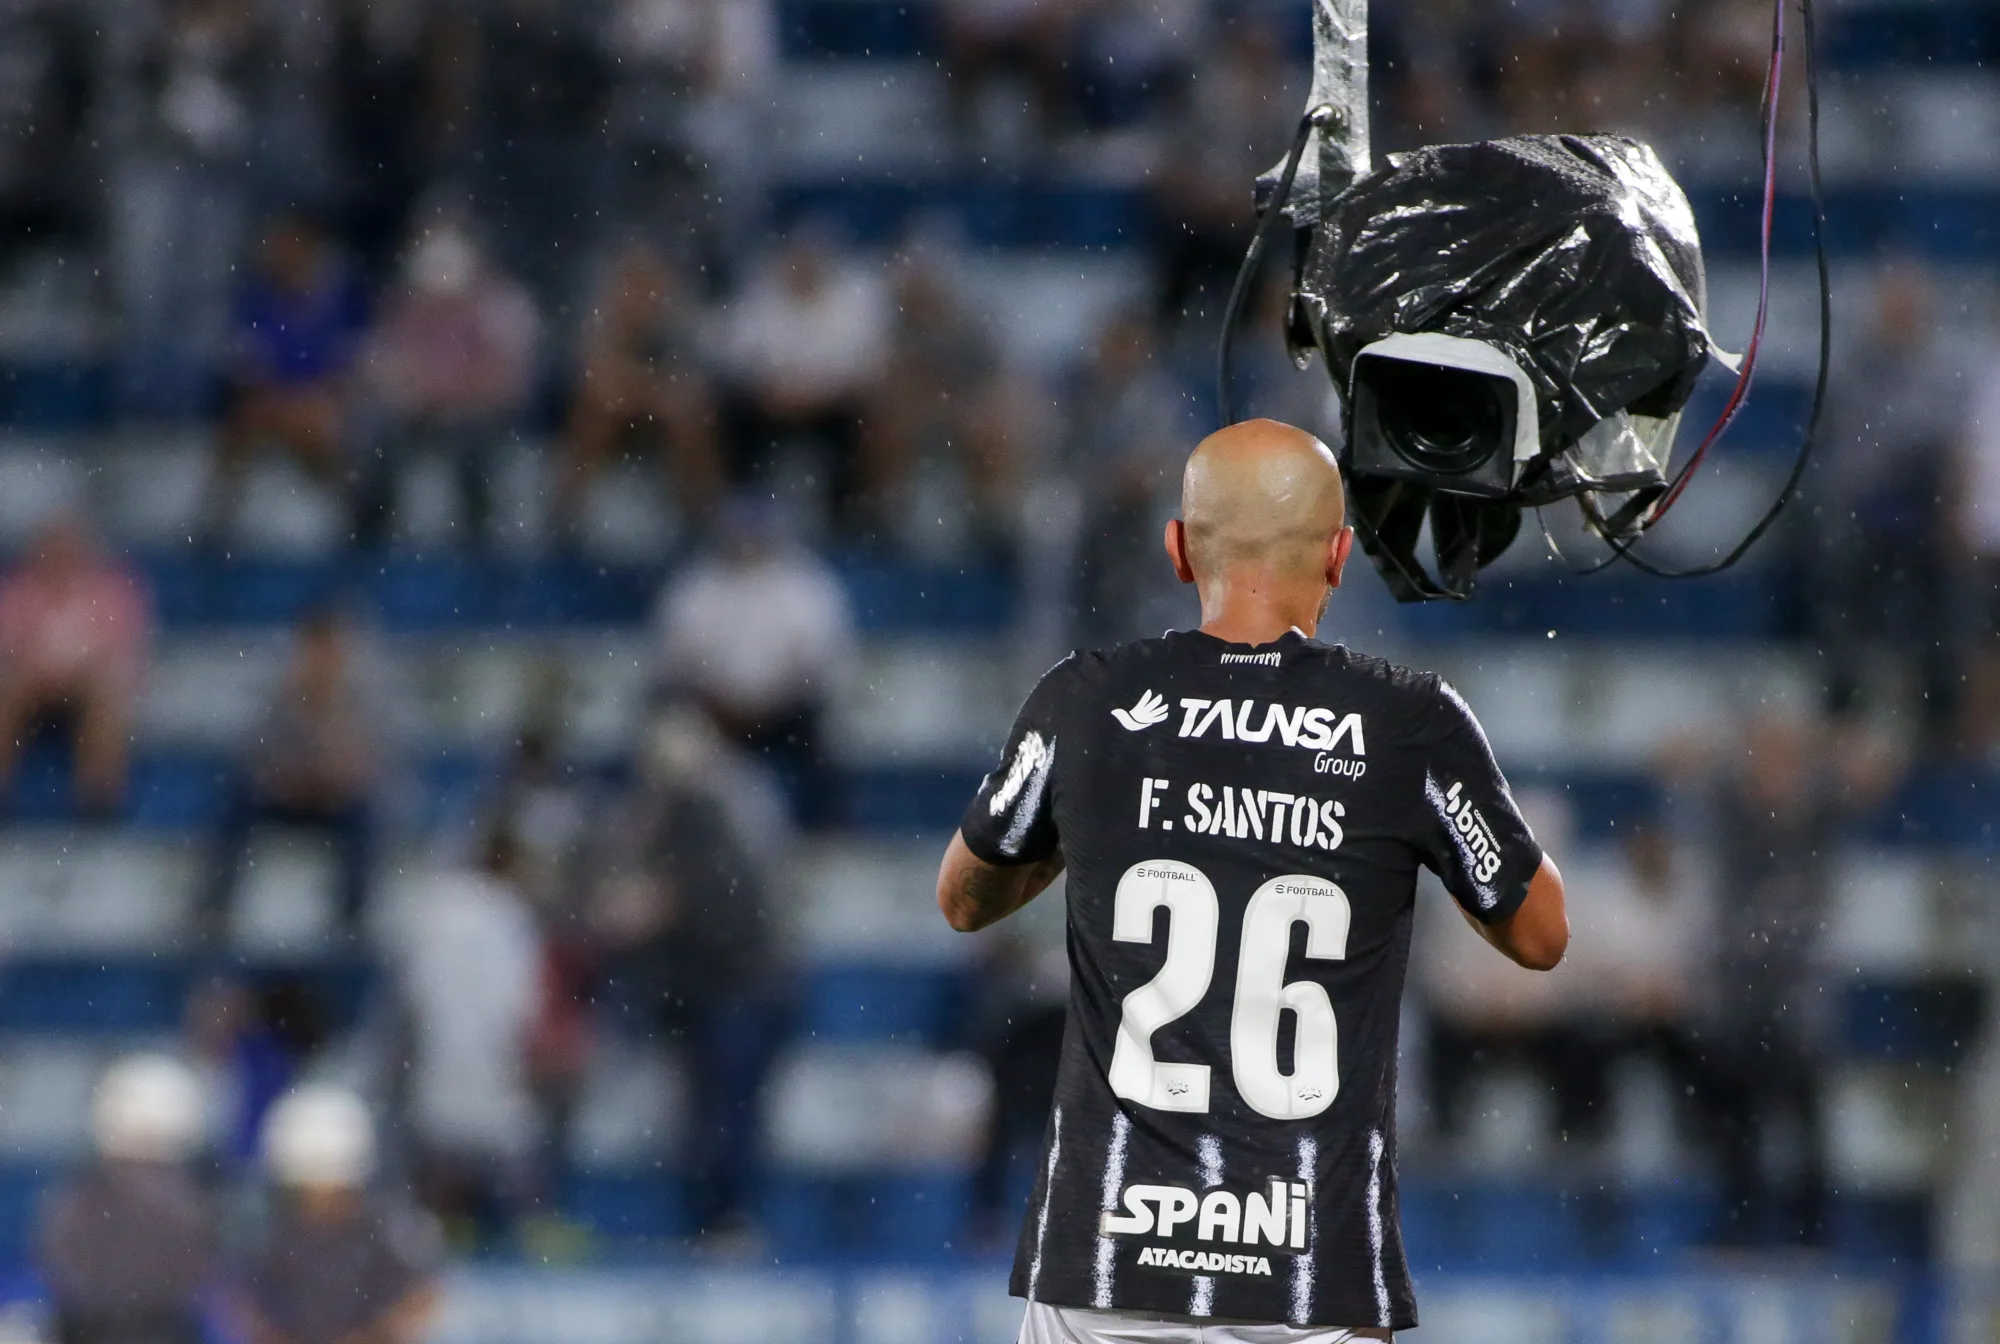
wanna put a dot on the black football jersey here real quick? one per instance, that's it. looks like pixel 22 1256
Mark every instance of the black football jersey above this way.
pixel 1242 828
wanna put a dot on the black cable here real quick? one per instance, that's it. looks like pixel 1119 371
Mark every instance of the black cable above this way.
pixel 1623 550
pixel 1315 119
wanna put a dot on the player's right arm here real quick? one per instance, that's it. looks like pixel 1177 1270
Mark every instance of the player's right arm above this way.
pixel 1475 839
pixel 973 893
pixel 1007 850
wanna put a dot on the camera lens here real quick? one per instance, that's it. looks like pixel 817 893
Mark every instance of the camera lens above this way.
pixel 1438 419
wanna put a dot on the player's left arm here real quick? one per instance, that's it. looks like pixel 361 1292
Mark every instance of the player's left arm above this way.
pixel 974 894
pixel 1536 935
pixel 1008 847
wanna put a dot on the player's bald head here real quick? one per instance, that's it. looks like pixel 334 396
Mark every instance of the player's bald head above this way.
pixel 1261 494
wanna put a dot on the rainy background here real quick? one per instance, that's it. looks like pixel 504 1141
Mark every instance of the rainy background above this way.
pixel 524 520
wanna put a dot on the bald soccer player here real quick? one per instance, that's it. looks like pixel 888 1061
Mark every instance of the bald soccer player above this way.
pixel 1242 810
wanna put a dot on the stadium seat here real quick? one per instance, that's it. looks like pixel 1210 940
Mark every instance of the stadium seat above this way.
pixel 23 1188
pixel 881 29
pixel 907 1216
pixel 629 1206
pixel 881 1003
pixel 54 394
pixel 121 996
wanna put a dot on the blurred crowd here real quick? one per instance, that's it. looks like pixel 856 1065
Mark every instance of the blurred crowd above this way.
pixel 352 235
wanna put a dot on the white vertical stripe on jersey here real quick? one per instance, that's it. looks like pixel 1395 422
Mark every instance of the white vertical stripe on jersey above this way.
pixel 1048 1195
pixel 1303 1265
pixel 1114 1183
pixel 1375 1150
pixel 1208 1151
pixel 1030 803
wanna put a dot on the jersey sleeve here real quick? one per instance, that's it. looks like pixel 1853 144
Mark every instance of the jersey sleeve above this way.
pixel 1011 820
pixel 1473 835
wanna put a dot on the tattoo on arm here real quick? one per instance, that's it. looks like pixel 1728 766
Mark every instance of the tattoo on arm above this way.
pixel 990 894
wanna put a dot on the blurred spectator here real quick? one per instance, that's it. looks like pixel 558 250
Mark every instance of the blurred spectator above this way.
pixel 180 189
pixel 543 802
pixel 451 366
pixel 468 966
pixel 691 101
pixel 1026 986
pixel 1129 425
pixel 1625 995
pixel 299 324
pixel 758 631
pixel 1233 121
pixel 947 390
pixel 335 1265
pixel 315 763
pixel 248 1045
pixel 390 78
pixel 75 626
pixel 807 345
pixel 538 97
pixel 1878 578
pixel 644 386
pixel 988 42
pixel 1773 810
pixel 46 104
pixel 1975 538
pixel 678 913
pixel 128 1248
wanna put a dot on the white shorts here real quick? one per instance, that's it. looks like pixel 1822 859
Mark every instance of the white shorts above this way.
pixel 1069 1325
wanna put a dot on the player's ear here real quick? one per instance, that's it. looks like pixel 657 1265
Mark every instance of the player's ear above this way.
pixel 1176 540
pixel 1337 552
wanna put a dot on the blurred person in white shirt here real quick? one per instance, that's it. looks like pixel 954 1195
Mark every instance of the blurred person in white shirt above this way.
pixel 759 632
pixel 1622 993
pixel 468 971
pixel 806 346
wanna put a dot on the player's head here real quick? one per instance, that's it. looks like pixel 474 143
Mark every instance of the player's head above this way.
pixel 1261 502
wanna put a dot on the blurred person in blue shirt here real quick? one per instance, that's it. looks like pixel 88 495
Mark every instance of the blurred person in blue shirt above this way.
pixel 128 1248
pixel 300 317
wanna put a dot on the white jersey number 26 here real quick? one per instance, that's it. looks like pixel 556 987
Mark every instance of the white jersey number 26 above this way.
pixel 1193 917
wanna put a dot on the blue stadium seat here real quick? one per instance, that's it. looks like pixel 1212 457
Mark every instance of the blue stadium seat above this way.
pixel 1949 32
pixel 1618 601
pixel 22 1191
pixel 626 1206
pixel 917 799
pixel 1661 1221
pixel 848 1003
pixel 968 599
pixel 1956 806
pixel 905 1215
pixel 1895 1229
pixel 56 395
pixel 850 29
pixel 1925 1019
pixel 121 996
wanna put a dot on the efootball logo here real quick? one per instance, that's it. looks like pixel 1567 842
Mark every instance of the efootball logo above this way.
pixel 1148 713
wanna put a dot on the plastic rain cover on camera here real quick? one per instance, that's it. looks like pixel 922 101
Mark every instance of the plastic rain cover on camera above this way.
pixel 1575 254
